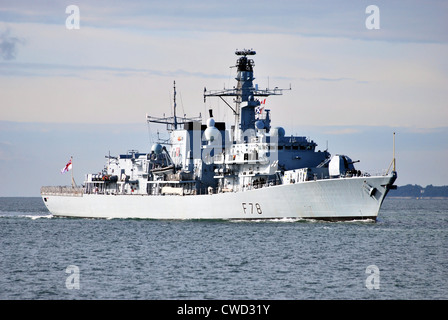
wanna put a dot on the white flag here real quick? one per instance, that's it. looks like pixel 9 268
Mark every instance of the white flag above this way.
pixel 67 167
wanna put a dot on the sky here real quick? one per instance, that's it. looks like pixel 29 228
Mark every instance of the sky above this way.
pixel 85 92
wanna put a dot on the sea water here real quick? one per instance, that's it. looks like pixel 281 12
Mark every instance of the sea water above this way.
pixel 403 255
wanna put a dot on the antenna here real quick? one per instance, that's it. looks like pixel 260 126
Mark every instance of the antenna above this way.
pixel 245 52
pixel 394 161
pixel 174 106
pixel 172 122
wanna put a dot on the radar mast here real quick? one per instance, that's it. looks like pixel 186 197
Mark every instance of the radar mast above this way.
pixel 245 93
pixel 173 122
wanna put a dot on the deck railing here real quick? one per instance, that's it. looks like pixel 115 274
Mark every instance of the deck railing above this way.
pixel 62 190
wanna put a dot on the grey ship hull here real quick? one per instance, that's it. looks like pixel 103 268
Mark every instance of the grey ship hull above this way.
pixel 328 199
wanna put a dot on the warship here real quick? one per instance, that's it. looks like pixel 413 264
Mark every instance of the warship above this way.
pixel 214 170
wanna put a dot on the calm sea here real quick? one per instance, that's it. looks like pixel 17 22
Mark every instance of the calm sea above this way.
pixel 404 255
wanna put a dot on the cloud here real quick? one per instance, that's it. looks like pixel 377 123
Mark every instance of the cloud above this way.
pixel 9 44
pixel 407 21
pixel 340 79
pixel 125 54
pixel 343 131
pixel 78 71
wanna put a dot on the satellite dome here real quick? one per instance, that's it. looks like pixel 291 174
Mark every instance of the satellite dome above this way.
pixel 259 124
pixel 156 148
pixel 278 131
pixel 211 134
pixel 210 122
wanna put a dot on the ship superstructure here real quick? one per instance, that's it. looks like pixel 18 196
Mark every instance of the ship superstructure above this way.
pixel 209 170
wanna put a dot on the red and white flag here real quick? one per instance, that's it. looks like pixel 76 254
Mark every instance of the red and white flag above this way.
pixel 67 167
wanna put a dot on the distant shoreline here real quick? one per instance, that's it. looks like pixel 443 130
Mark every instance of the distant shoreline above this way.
pixel 410 191
pixel 417 198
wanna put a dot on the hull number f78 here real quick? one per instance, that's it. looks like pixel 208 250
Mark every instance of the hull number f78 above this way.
pixel 251 208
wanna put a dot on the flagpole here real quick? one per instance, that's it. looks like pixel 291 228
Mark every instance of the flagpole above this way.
pixel 73 179
pixel 395 168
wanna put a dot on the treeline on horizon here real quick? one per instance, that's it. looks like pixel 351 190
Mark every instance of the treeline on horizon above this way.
pixel 410 190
